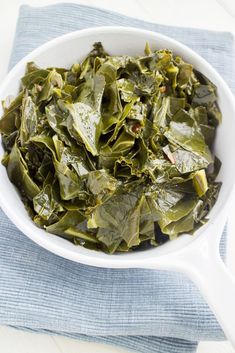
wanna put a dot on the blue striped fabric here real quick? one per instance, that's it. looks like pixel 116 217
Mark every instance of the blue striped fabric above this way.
pixel 143 310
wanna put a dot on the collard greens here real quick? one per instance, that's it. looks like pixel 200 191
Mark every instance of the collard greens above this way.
pixel 114 153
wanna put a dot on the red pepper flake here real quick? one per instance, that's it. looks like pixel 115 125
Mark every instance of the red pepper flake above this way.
pixel 136 128
pixel 162 89
pixel 38 88
pixel 169 154
pixel 171 158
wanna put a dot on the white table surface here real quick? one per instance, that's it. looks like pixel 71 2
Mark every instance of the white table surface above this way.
pixel 208 14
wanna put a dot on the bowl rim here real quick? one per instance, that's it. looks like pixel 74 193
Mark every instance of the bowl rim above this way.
pixel 106 260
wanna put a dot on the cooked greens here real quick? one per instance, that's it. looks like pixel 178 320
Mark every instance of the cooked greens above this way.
pixel 115 153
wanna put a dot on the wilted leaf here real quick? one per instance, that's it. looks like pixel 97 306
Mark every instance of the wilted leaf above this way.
pixel 114 153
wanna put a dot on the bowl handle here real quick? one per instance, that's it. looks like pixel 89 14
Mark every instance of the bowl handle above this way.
pixel 203 264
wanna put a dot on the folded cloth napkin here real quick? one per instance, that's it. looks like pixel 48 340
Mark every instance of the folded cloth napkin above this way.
pixel 144 310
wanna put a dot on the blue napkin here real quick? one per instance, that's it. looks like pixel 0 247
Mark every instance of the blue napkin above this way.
pixel 143 310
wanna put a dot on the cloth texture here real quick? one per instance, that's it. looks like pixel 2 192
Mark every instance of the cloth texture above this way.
pixel 143 310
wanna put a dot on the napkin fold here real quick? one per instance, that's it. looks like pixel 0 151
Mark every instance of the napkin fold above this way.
pixel 143 310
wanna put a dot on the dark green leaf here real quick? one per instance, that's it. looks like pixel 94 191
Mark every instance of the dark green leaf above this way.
pixel 28 127
pixel 18 173
pixel 83 124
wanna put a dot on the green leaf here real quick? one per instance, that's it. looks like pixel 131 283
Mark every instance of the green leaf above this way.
pixel 8 121
pixel 54 79
pixel 174 221
pixel 99 181
pixel 83 125
pixel 18 173
pixel 28 127
pixel 57 120
pixel 187 161
pixel 92 91
pixel 45 202
pixel 184 132
pixel 119 215
pixel 111 109
pixel 71 186
pixel 34 77
pixel 68 220
pixel 166 108
pixel 200 182
pixel 204 95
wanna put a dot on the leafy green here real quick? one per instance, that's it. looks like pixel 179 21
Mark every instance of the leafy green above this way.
pixel 18 173
pixel 83 125
pixel 99 181
pixel 200 182
pixel 114 153
pixel 120 209
pixel 45 202
pixel 11 115
pixel 29 122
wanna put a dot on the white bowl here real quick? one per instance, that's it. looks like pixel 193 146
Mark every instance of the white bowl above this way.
pixel 72 47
